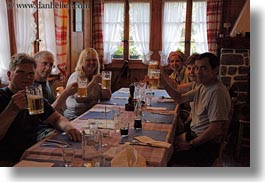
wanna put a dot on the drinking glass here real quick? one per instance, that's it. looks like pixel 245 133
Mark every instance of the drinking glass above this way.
pixel 93 125
pixel 116 120
pixel 125 125
pixel 82 86
pixel 68 155
pixel 148 97
pixel 154 79
pixel 106 79
pixel 91 149
pixel 139 92
pixel 35 99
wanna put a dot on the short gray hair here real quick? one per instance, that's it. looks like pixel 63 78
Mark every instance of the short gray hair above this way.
pixel 43 54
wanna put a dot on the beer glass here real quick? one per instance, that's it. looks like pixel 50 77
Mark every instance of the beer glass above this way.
pixel 154 79
pixel 82 86
pixel 106 79
pixel 35 99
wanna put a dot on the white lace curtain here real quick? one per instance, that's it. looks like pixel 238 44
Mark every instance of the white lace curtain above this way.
pixel 140 28
pixel 112 29
pixel 173 25
pixel 4 45
pixel 25 27
pixel 47 28
pixel 199 26
pixel 47 32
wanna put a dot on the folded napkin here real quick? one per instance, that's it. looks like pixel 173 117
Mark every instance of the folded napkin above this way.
pixel 103 124
pixel 152 142
pixel 123 92
pixel 123 98
pixel 156 108
pixel 25 163
pixel 165 100
pixel 99 110
pixel 125 156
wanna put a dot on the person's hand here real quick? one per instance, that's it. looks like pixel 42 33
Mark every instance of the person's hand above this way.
pixel 72 88
pixel 74 134
pixel 97 79
pixel 19 100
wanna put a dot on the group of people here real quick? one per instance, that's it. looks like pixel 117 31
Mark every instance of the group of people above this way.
pixel 194 81
pixel 210 106
pixel 18 129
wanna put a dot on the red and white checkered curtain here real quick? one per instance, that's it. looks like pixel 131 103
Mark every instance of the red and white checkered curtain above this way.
pixel 214 20
pixel 97 28
pixel 61 24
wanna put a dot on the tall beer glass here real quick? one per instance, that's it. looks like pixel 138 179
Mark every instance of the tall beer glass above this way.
pixel 154 79
pixel 82 86
pixel 106 79
pixel 35 99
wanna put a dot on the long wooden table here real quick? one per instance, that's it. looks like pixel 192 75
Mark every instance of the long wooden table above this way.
pixel 155 157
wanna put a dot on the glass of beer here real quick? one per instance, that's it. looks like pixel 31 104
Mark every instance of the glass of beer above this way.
pixel 106 79
pixel 154 79
pixel 35 99
pixel 82 86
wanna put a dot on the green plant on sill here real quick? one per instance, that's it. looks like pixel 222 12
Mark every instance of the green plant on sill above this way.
pixel 134 54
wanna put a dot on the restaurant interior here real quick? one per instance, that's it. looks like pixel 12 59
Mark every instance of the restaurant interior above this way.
pixel 131 36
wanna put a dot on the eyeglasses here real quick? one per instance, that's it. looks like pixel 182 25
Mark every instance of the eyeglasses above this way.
pixel 46 64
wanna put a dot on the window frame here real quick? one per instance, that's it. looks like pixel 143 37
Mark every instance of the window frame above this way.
pixel 126 38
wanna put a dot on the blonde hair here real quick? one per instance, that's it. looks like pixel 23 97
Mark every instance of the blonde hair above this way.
pixel 180 54
pixel 92 53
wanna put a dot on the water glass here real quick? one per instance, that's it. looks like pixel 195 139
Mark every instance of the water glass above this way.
pixel 148 97
pixel 91 149
pixel 68 155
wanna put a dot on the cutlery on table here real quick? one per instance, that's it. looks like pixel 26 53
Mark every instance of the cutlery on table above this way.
pixel 57 142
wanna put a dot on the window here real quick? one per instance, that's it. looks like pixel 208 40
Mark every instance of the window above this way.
pixel 5 45
pixel 180 32
pixel 198 28
pixel 126 29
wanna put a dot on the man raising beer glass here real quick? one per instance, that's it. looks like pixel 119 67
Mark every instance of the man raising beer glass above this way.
pixel 18 129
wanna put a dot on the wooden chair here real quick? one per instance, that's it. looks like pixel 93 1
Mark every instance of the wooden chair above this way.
pixel 226 135
pixel 242 140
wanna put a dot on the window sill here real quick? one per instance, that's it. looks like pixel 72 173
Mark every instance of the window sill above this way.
pixel 133 64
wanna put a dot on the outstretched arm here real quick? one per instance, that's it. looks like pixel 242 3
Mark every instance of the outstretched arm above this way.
pixel 172 88
pixel 59 122
pixel 60 101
